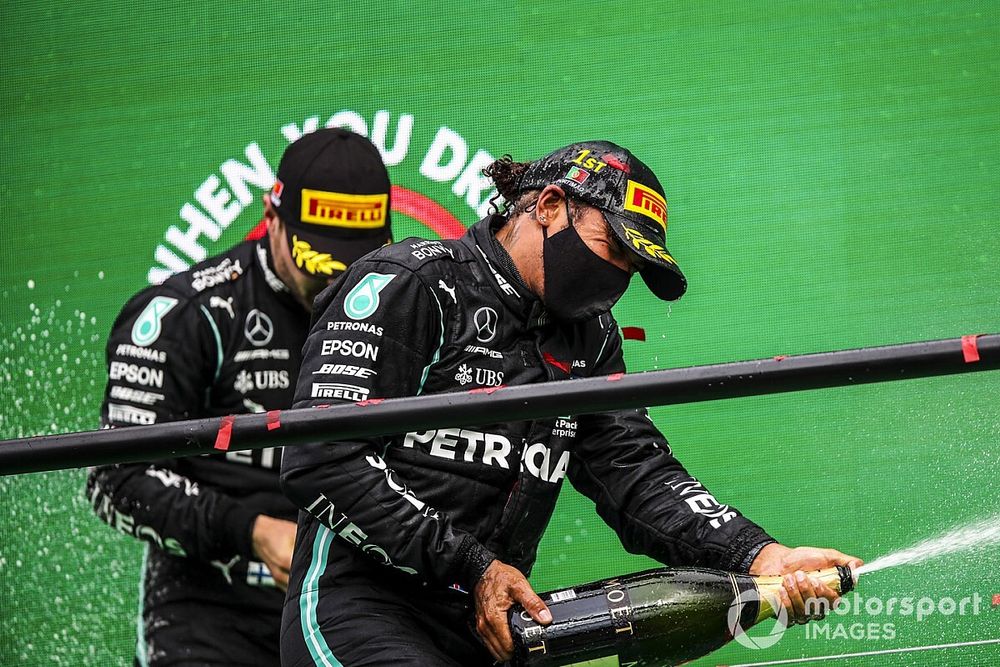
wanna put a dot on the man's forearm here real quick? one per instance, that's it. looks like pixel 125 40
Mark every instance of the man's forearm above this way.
pixel 168 510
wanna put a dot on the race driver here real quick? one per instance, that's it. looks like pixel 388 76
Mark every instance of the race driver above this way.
pixel 225 337
pixel 412 547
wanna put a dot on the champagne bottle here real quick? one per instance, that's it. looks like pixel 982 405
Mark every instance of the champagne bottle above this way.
pixel 657 617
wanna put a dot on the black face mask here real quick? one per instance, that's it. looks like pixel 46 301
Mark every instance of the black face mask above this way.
pixel 579 284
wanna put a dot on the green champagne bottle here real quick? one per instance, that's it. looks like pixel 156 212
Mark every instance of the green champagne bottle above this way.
pixel 652 618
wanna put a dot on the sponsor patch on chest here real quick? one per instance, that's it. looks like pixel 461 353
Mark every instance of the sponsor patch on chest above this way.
pixel 565 427
pixel 481 377
pixel 261 380
pixel 349 392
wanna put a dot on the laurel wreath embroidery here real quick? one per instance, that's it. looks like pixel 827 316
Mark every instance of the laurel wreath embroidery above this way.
pixel 313 261
pixel 642 243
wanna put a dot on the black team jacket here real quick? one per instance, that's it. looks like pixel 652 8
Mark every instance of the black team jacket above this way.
pixel 221 338
pixel 435 507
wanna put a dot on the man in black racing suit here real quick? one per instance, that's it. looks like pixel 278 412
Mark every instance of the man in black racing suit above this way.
pixel 223 338
pixel 407 540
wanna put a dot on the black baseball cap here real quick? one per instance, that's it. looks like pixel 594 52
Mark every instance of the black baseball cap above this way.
pixel 332 193
pixel 610 178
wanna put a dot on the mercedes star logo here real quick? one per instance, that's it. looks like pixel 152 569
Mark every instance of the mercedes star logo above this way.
pixel 486 324
pixel 258 328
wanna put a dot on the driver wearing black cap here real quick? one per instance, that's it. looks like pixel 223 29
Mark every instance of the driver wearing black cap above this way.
pixel 413 547
pixel 225 337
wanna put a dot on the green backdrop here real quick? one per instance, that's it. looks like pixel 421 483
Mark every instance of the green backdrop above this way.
pixel 832 175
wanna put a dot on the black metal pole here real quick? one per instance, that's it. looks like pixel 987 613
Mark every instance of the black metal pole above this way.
pixel 581 396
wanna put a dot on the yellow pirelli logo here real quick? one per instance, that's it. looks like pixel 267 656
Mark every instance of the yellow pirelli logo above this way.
pixel 340 210
pixel 646 201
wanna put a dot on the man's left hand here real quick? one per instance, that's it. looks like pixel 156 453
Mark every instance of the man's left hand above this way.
pixel 799 586
pixel 499 589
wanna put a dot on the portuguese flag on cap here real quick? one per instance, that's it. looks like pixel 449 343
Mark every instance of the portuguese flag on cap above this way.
pixel 577 174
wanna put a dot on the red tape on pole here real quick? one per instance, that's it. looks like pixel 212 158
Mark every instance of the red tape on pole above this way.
pixel 273 419
pixel 486 390
pixel 225 433
pixel 970 349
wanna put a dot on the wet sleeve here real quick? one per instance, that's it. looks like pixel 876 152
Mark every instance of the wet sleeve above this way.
pixel 162 356
pixel 625 465
pixel 376 334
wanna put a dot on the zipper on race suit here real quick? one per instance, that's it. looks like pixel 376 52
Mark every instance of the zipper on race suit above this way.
pixel 503 524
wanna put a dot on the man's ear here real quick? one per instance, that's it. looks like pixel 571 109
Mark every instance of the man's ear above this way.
pixel 271 218
pixel 550 205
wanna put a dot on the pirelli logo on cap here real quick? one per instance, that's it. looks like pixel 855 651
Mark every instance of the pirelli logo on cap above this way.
pixel 340 210
pixel 647 202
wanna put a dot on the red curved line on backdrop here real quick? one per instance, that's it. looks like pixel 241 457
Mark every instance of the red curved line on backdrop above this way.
pixel 421 208
pixel 424 209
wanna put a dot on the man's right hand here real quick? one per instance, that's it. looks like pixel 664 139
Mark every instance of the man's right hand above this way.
pixel 273 542
pixel 500 587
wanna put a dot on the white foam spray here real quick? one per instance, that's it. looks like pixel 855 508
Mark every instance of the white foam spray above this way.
pixel 976 536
